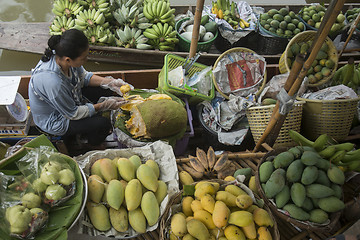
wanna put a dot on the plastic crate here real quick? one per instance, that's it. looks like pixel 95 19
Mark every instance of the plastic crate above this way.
pixel 172 61
pixel 181 144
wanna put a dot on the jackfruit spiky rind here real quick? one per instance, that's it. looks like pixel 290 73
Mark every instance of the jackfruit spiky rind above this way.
pixel 163 117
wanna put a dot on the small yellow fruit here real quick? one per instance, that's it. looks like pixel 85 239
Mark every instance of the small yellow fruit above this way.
pixel 186 206
pixel 221 214
pixel 178 224
pixel 262 218
pixel 234 233
pixel 208 203
pixel 244 201
pixel 205 217
pixel 264 233
pixel 196 205
pixel 229 178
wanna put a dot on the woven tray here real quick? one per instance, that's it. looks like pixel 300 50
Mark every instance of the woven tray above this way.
pixel 334 217
pixel 176 199
pixel 303 37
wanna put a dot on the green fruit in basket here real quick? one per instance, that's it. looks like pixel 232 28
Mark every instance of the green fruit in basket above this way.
pixel 283 25
pixel 67 176
pixel 312 79
pixel 274 23
pixel 137 220
pixel 136 160
pixel 310 71
pixel 321 55
pixel 325 71
pixel 264 16
pixel 306 17
pixel 115 194
pixel 292 14
pixel 318 76
pixel 295 48
pixel 55 192
pixel 311 22
pixel 49 175
pixel 20 217
pixel 211 27
pixel 317 68
pixel 329 63
pixel 318 216
pixel 316 17
pixel 291 26
pixel 284 11
pixel 267 26
pixel 287 19
pixel 150 207
pixel 288 33
pixel 99 216
pixel 315 62
pixel 317 25
pixel 295 21
pixel 279 31
pixel 263 23
pixel 272 12
pixel 39 186
pixel 278 17
pixel 301 26
pixel 147 177
pixel 31 200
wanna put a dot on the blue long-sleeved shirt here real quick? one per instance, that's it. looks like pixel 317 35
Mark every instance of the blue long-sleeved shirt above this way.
pixel 55 99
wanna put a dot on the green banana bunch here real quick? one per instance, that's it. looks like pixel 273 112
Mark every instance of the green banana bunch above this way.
pixel 61 24
pixel 161 36
pixel 127 3
pixel 131 16
pixel 103 6
pixel 66 7
pixel 159 11
pixel 348 75
pixel 99 35
pixel 90 18
pixel 131 38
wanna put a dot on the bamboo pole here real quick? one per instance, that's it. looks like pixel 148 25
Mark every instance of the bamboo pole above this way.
pixel 195 33
pixel 277 119
pixel 352 29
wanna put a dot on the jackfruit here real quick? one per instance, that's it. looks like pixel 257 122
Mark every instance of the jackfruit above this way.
pixel 157 119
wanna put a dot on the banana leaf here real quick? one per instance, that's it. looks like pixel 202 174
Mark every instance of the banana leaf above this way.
pixel 120 121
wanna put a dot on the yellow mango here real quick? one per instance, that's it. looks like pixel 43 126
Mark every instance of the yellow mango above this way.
pixel 222 238
pixel 136 160
pixel 147 177
pixel 137 220
pixel 189 218
pixel 178 224
pixel 161 191
pixel 104 199
pixel 234 233
pixel 252 185
pixel 186 205
pixel 217 232
pixel 252 208
pixel 205 217
pixel 220 214
pixel 208 203
pixel 262 218
pixel 185 178
pixel 229 178
pixel 133 194
pixel 250 231
pixel 264 233
pixel 196 205
pixel 119 219
pixel 228 198
pixel 188 237
pixel 206 188
pixel 154 166
pixel 99 216
pixel 244 201
pixel 96 188
pixel 115 194
pixel 241 218
pixel 126 169
pixel 108 169
pixel 215 185
pixel 95 169
pixel 235 190
pixel 150 208
pixel 198 229
pixel 173 236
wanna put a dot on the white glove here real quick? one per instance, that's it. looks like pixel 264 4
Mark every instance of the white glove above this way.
pixel 111 103
pixel 114 85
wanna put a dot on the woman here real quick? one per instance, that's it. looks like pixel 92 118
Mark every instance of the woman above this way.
pixel 55 91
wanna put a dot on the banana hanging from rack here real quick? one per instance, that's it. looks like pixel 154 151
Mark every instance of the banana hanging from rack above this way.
pixel 61 24
pixel 161 36
pixel 66 8
pixel 90 18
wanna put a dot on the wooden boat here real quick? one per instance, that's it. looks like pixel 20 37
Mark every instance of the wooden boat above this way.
pixel 32 38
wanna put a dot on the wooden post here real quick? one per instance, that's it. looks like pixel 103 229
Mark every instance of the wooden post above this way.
pixel 195 33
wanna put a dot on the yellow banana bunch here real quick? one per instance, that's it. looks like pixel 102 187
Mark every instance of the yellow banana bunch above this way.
pixel 159 11
pixel 89 18
pixel 103 5
pixel 61 24
pixel 161 36
pixel 99 35
pixel 66 7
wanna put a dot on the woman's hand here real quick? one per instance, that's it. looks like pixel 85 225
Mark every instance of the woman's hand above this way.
pixel 109 103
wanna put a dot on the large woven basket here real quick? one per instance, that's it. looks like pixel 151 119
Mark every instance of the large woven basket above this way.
pixel 306 225
pixel 333 117
pixel 235 50
pixel 303 37
pixel 177 198
pixel 259 118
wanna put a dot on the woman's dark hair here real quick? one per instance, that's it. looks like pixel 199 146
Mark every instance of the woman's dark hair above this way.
pixel 72 43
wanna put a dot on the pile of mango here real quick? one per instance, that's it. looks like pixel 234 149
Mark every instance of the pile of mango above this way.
pixel 124 193
pixel 221 212
pixel 283 22
pixel 322 66
pixel 313 15
pixel 303 183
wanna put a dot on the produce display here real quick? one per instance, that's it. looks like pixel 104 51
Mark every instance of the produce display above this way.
pixel 351 15
pixel 228 10
pixel 125 193
pixel 305 181
pixel 313 15
pixel 207 29
pixel 282 22
pixel 349 75
pixel 221 211
pixel 323 65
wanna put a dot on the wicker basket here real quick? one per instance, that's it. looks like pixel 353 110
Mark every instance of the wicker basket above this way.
pixel 234 50
pixel 259 118
pixel 303 37
pixel 176 200
pixel 269 43
pixel 333 117
pixel 307 225
pixel 184 44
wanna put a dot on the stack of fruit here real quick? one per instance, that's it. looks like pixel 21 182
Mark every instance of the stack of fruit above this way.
pixel 207 30
pixel 351 15
pixel 228 10
pixel 314 14
pixel 223 211
pixel 283 23
pixel 322 67
pixel 54 185
pixel 303 182
pixel 349 75
pixel 125 192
